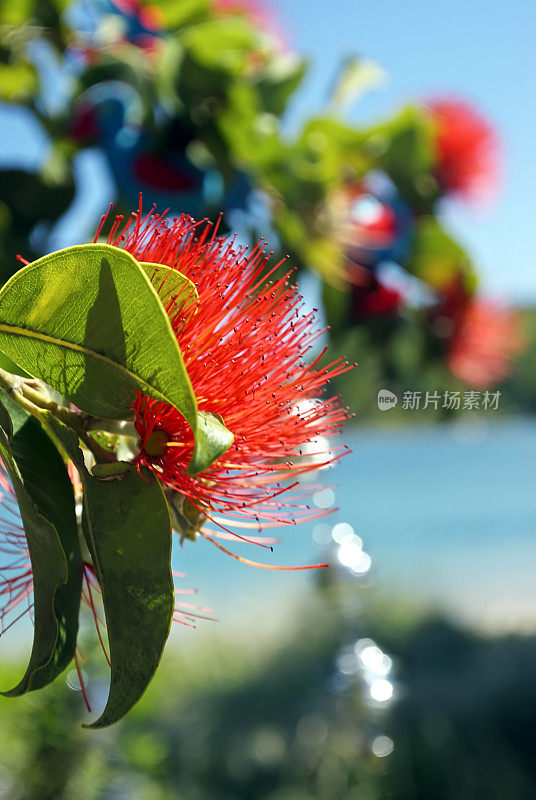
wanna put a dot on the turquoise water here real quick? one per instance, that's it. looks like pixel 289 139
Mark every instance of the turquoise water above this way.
pixel 447 514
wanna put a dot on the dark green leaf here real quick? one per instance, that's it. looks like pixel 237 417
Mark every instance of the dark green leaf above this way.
pixel 50 571
pixel 280 80
pixel 47 481
pixel 128 532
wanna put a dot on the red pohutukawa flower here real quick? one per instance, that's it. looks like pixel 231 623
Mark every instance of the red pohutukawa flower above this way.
pixel 245 343
pixel 466 149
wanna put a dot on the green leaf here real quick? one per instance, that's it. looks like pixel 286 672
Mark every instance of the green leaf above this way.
pixel 5 422
pixel 87 321
pixel 213 440
pixel 50 571
pixel 9 366
pixel 175 290
pixel 128 532
pixel 47 481
pixel 404 149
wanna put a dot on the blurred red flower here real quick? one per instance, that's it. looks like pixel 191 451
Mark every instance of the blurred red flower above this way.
pixel 372 299
pixel 485 339
pixel 466 149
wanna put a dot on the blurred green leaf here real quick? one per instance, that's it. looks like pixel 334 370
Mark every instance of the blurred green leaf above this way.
pixel 16 12
pixel 277 83
pixel 357 76
pixel 176 15
pixel 403 148
pixel 436 258
pixel 221 44
pixel 18 81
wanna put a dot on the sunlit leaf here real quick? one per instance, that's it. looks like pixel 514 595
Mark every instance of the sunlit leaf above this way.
pixel 87 321
pixel 175 290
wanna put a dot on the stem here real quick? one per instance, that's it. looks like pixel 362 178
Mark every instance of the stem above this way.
pixel 27 393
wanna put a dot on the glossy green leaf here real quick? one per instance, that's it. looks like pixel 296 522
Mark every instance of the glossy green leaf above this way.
pixel 46 480
pixel 213 440
pixel 87 321
pixel 49 568
pixel 128 532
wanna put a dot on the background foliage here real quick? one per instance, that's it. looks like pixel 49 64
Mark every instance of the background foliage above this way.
pixel 186 102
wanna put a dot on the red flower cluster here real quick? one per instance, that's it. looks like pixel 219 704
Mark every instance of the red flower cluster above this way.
pixel 245 342
pixel 466 149
pixel 245 345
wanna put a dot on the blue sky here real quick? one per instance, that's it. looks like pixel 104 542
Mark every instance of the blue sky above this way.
pixel 482 51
